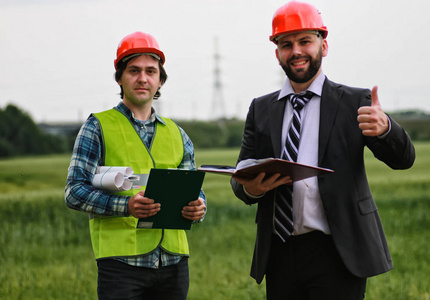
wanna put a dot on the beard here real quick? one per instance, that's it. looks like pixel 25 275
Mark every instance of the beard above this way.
pixel 302 76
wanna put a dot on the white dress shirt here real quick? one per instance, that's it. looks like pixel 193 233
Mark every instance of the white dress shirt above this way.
pixel 308 211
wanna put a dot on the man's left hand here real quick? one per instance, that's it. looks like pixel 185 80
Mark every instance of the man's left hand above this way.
pixel 195 210
pixel 372 120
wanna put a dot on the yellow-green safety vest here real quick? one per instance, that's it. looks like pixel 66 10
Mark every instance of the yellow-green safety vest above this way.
pixel 118 236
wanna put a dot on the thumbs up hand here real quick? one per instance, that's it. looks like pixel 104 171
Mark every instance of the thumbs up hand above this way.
pixel 372 120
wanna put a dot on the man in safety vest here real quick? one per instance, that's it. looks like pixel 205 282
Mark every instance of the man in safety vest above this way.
pixel 133 263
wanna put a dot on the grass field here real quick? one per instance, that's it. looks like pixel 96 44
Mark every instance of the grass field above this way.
pixel 45 250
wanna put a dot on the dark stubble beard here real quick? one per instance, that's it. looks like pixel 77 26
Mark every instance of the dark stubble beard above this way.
pixel 303 76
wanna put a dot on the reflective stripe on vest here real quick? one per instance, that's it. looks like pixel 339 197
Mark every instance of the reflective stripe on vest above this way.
pixel 118 236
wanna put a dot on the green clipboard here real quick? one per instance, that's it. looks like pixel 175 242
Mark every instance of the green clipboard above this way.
pixel 173 189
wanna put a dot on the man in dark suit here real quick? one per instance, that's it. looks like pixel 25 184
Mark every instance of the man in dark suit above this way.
pixel 336 240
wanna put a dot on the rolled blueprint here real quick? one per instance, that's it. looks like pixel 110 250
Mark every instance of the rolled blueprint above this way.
pixel 114 179
pixel 127 171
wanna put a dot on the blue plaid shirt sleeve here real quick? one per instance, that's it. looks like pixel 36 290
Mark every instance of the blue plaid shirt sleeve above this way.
pixel 86 157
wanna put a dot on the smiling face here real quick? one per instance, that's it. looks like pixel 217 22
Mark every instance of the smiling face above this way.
pixel 140 81
pixel 300 56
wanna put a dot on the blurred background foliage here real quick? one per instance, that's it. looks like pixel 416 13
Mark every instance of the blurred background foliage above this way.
pixel 20 135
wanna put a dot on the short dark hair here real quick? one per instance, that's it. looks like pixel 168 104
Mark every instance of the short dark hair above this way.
pixel 123 65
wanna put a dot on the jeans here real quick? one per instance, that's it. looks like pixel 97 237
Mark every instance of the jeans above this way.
pixel 117 280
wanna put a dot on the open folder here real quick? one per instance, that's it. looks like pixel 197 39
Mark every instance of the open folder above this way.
pixel 173 189
pixel 250 168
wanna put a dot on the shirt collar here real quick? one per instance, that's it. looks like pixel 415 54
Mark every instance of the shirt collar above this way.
pixel 129 114
pixel 315 87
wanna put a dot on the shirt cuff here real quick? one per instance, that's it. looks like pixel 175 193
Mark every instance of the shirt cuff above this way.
pixel 251 195
pixel 382 136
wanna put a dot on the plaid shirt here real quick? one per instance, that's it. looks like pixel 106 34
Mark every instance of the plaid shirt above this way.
pixel 88 155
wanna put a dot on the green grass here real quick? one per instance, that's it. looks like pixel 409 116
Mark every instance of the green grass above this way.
pixel 45 250
pixel 403 199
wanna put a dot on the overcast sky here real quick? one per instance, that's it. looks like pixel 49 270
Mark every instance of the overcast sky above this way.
pixel 56 56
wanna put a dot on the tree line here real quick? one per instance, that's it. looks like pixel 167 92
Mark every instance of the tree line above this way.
pixel 19 135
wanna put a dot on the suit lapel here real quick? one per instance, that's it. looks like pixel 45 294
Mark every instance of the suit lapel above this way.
pixel 276 117
pixel 330 100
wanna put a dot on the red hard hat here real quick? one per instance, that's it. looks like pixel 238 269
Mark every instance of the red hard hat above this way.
pixel 296 17
pixel 138 42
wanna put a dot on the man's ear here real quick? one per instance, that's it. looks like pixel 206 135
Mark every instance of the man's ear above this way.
pixel 325 48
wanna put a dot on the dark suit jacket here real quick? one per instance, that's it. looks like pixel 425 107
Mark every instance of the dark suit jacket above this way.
pixel 348 204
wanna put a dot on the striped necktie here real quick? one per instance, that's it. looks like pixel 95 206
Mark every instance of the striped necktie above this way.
pixel 283 218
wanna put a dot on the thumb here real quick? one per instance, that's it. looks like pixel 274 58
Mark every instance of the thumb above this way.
pixel 375 99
